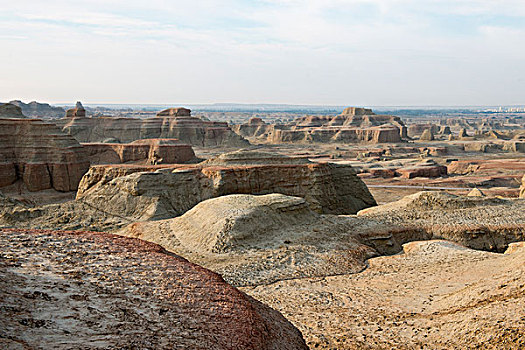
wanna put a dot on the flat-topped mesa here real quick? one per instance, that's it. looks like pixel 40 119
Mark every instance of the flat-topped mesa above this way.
pixel 173 123
pixel 175 112
pixel 352 126
pixel 357 111
pixel 9 110
pixel 77 112
pixel 147 151
pixel 166 193
pixel 41 155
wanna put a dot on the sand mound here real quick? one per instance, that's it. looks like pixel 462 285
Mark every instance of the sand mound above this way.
pixel 260 239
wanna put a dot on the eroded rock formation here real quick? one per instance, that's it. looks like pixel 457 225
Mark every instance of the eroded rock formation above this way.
pixel 351 126
pixel 116 292
pixel 166 193
pixel 41 155
pixel 36 109
pixel 77 112
pixel 522 188
pixel 8 110
pixel 147 151
pixel 174 123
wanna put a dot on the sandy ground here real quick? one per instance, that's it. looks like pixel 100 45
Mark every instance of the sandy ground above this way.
pixel 437 295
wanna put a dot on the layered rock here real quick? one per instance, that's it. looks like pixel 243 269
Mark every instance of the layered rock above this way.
pixel 255 127
pixel 351 126
pixel 427 168
pixel 8 110
pixel 36 109
pixel 166 193
pixel 427 135
pixel 416 130
pixel 41 155
pixel 77 112
pixel 252 229
pixel 149 151
pixel 175 112
pixel 177 125
pixel 116 292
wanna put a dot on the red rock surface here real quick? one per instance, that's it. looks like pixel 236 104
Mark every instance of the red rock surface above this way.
pixel 151 151
pixel 41 155
pixel 66 290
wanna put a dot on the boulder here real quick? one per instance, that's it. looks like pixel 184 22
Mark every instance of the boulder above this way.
pixel 118 292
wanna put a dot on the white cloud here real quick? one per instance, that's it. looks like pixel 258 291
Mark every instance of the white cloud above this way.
pixel 332 51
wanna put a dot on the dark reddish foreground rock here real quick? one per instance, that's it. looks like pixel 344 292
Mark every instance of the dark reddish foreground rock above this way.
pixel 64 290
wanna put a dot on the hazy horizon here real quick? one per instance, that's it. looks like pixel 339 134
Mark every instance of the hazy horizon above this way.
pixel 398 53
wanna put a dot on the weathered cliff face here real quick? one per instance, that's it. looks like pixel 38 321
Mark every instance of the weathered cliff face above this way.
pixel 376 134
pixel 186 129
pixel 41 155
pixel 149 151
pixel 427 168
pixel 353 125
pixel 416 130
pixel 36 109
pixel 166 193
pixel 175 112
pixel 255 127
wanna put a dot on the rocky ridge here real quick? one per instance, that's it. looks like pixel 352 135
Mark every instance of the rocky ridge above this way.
pixel 177 125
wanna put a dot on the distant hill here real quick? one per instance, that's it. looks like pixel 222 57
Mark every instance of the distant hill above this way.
pixel 36 109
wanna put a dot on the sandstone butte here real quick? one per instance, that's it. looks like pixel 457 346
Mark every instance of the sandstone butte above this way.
pixel 78 289
pixel 131 192
pixel 150 151
pixel 39 154
pixel 353 125
pixel 173 123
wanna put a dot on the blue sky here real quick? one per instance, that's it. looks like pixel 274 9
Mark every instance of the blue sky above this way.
pixel 338 52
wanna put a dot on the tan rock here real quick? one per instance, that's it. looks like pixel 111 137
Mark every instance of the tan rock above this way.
pixel 150 151
pixel 175 112
pixel 427 135
pixel 328 188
